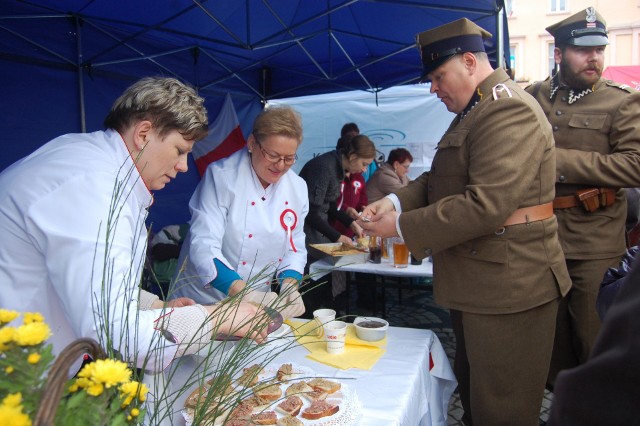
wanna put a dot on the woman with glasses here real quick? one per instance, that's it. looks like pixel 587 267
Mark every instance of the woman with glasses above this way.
pixel 247 217
pixel 391 176
pixel 324 175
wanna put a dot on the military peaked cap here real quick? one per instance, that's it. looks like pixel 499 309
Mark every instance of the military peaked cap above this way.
pixel 440 43
pixel 585 28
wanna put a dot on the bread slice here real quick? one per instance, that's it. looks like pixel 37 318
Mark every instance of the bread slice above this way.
pixel 256 403
pixel 299 388
pixel 285 372
pixel 250 376
pixel 315 396
pixel 324 385
pixel 319 409
pixel 241 412
pixel 268 392
pixel 289 421
pixel 264 418
pixel 290 406
pixel 197 397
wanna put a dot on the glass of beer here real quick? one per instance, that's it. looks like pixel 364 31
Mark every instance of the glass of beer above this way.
pixel 400 253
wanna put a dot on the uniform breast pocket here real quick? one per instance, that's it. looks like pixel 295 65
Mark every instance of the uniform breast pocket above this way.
pixel 452 156
pixel 591 130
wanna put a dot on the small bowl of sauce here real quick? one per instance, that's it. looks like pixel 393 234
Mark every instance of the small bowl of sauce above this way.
pixel 371 329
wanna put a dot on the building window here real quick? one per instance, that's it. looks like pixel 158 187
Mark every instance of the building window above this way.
pixel 509 8
pixel 557 6
pixel 550 58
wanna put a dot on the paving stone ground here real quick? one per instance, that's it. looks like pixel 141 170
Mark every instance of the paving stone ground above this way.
pixel 417 309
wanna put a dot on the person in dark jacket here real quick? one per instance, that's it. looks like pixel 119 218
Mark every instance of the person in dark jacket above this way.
pixel 604 390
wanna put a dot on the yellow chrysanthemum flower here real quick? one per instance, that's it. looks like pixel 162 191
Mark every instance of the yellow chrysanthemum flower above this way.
pixel 33 358
pixel 95 389
pixel 9 369
pixel 131 390
pixel 6 335
pixel 12 400
pixel 135 412
pixel 13 416
pixel 31 334
pixel 7 316
pixel 73 388
pixel 109 372
pixel 30 317
pixel 83 382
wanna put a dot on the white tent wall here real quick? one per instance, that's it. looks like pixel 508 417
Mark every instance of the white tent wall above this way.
pixel 405 116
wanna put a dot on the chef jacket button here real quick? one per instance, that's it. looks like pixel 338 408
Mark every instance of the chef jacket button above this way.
pixel 253 203
pixel 244 263
pixel 286 203
pixel 564 99
pixel 555 128
pixel 250 235
pixel 562 178
pixel 427 252
pixel 474 252
pixel 586 123
pixel 279 260
pixel 558 112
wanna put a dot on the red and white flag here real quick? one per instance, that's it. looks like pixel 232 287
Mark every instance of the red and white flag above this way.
pixel 224 138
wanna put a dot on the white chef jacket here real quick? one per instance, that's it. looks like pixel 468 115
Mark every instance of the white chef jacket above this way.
pixel 242 224
pixel 55 227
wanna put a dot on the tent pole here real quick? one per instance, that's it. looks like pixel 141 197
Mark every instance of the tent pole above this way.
pixel 83 123
pixel 500 31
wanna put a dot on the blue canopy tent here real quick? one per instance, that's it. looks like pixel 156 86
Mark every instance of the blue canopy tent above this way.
pixel 62 63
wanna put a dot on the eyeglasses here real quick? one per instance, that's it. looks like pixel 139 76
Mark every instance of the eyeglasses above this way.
pixel 406 166
pixel 275 158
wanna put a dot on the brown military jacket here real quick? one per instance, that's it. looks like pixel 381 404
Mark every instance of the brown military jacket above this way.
pixel 498 158
pixel 597 145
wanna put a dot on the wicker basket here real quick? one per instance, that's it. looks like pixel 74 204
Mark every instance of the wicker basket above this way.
pixel 59 374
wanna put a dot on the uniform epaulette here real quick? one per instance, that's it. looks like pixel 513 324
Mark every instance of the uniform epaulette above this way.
pixel 501 91
pixel 621 86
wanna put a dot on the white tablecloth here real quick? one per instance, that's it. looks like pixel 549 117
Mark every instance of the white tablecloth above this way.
pixel 322 267
pixel 401 389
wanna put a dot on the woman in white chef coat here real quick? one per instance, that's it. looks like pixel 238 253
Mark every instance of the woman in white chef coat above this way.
pixel 247 219
pixel 72 217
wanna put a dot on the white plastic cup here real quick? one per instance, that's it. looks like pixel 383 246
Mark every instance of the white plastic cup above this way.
pixel 335 333
pixel 322 317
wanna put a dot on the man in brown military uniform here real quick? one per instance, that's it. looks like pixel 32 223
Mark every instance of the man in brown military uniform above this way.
pixel 595 127
pixel 484 213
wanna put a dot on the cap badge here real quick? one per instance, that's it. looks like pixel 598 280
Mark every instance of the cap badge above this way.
pixel 591 15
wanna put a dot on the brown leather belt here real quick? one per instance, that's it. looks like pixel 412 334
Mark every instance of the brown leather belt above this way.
pixel 569 201
pixel 566 202
pixel 530 214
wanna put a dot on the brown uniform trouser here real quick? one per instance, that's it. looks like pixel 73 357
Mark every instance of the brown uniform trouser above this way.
pixel 502 362
pixel 578 323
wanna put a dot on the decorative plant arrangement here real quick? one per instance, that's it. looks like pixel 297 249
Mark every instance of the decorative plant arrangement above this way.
pixel 102 393
pixel 37 388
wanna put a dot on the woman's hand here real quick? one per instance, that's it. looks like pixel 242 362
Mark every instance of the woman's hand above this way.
pixel 345 240
pixel 180 302
pixel 239 319
pixel 353 213
pixel 357 229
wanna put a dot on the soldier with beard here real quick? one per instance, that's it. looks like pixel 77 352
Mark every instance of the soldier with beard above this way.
pixel 594 124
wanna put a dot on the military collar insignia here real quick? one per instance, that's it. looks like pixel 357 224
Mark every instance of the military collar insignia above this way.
pixel 475 99
pixel 574 96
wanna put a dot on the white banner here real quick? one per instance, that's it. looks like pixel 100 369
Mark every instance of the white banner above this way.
pixel 405 116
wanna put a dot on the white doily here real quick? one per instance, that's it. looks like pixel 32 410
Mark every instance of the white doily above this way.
pixel 346 398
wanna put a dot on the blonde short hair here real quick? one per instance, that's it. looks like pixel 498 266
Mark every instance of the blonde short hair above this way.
pixel 279 120
pixel 166 102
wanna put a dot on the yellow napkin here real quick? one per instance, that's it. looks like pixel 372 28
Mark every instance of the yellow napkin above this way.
pixel 357 353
